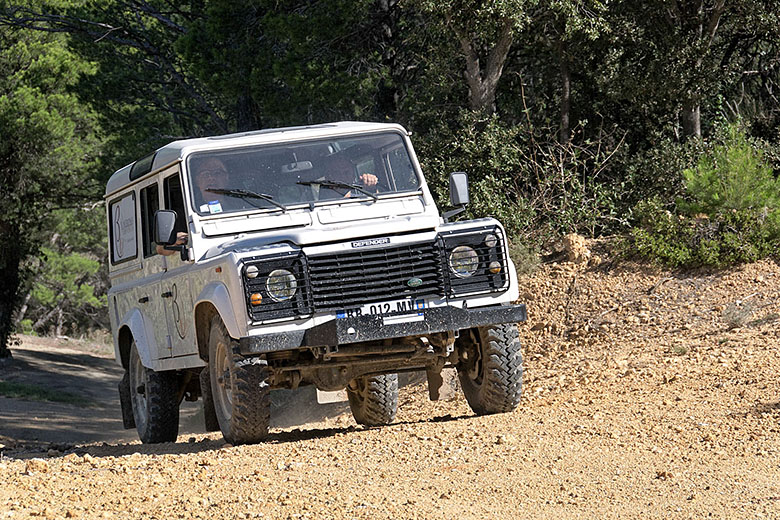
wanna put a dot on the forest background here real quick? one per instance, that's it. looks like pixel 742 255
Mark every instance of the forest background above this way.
pixel 658 121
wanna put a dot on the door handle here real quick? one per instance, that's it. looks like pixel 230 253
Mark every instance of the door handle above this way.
pixel 143 299
pixel 167 294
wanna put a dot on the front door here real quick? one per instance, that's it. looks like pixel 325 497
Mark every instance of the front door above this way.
pixel 176 285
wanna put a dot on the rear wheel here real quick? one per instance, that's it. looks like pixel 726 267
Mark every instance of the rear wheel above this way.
pixel 155 401
pixel 491 369
pixel 239 387
pixel 374 399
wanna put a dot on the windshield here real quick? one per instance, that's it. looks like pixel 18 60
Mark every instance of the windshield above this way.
pixel 283 175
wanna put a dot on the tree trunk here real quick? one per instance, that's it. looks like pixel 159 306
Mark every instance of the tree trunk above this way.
pixel 691 120
pixel 389 95
pixel 565 94
pixel 22 310
pixel 40 322
pixel 60 322
pixel 10 262
pixel 246 119
pixel 483 83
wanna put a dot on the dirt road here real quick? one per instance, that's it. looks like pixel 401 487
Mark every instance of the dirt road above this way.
pixel 647 394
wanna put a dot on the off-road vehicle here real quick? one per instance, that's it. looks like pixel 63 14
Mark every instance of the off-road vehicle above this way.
pixel 315 255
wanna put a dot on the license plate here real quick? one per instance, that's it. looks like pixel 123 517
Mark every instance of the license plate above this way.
pixel 339 396
pixel 408 306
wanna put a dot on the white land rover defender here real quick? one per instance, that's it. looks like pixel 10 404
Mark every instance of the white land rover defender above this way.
pixel 312 255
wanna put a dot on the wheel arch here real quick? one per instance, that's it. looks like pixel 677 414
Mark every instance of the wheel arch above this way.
pixel 213 300
pixel 124 343
pixel 204 312
pixel 134 328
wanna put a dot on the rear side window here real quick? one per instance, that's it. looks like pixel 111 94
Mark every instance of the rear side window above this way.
pixel 124 244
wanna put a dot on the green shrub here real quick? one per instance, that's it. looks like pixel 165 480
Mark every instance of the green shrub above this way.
pixel 731 213
pixel 732 176
pixel 26 327
pixel 677 240
pixel 538 188
pixel 656 172
pixel 525 258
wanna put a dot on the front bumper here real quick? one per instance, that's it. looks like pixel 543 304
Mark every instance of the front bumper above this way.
pixel 357 329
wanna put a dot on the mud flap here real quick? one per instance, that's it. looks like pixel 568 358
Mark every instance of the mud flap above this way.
pixel 124 401
pixel 435 381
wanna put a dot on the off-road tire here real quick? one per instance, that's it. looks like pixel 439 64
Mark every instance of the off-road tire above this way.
pixel 492 381
pixel 209 414
pixel 155 401
pixel 374 399
pixel 239 387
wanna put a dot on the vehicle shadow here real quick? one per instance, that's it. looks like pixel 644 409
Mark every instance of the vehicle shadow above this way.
pixel 311 434
pixel 764 408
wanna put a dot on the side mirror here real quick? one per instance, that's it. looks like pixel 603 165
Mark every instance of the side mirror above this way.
pixel 459 194
pixel 459 189
pixel 164 224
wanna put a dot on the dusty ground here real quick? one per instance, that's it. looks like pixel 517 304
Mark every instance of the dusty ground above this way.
pixel 647 394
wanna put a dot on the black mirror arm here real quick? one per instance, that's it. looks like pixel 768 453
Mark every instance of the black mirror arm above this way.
pixel 181 248
pixel 447 215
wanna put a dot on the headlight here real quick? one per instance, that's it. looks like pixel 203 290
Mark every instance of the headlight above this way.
pixel 464 261
pixel 281 285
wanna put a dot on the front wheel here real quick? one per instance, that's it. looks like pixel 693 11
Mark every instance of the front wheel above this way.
pixel 374 399
pixel 155 401
pixel 491 369
pixel 240 389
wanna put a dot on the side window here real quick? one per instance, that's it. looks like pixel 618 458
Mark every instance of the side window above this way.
pixel 174 199
pixel 149 204
pixel 123 229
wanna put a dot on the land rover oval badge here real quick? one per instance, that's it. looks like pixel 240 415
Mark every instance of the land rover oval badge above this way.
pixel 414 282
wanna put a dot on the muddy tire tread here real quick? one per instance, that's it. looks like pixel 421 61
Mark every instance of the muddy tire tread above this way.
pixel 250 417
pixel 162 393
pixel 381 403
pixel 502 379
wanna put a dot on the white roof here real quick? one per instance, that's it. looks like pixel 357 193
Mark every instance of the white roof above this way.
pixel 177 150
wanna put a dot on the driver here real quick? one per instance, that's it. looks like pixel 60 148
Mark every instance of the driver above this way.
pixel 211 173
pixel 341 169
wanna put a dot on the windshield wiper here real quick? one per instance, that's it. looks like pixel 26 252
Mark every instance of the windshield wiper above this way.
pixel 336 184
pixel 246 194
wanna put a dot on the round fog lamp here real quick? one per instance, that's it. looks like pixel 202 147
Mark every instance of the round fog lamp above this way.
pixel 281 285
pixel 494 267
pixel 491 240
pixel 464 261
pixel 256 298
pixel 251 271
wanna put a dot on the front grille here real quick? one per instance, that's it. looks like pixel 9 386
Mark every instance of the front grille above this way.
pixel 351 279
